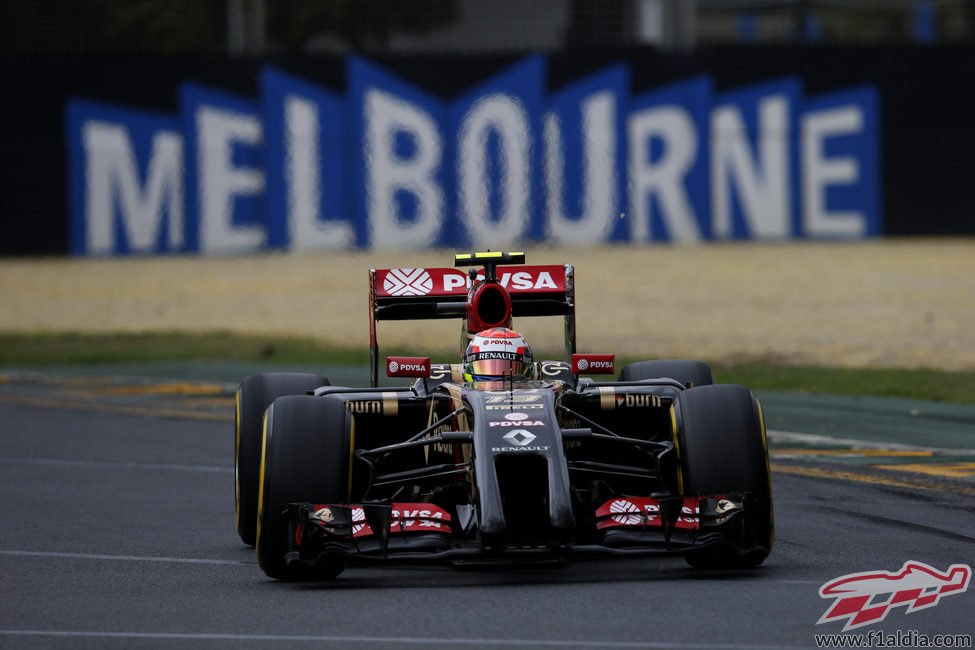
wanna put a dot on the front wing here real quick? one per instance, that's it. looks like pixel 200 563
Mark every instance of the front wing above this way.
pixel 423 532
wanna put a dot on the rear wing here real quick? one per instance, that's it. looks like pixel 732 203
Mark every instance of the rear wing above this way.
pixel 418 294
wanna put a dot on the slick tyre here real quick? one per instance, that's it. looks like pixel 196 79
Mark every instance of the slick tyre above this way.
pixel 254 395
pixel 720 435
pixel 307 456
pixel 689 373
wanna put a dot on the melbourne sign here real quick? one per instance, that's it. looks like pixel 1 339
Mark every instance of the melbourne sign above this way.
pixel 386 165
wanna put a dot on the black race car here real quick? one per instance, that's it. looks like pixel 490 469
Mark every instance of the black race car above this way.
pixel 661 460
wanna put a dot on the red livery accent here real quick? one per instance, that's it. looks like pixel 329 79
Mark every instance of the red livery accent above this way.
pixel 594 364
pixel 488 306
pixel 406 518
pixel 644 511
pixel 408 366
pixel 454 282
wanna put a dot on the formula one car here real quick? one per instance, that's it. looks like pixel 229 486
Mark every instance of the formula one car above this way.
pixel 538 465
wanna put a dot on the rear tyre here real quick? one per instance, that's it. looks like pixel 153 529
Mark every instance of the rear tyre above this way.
pixel 307 455
pixel 689 373
pixel 254 395
pixel 720 435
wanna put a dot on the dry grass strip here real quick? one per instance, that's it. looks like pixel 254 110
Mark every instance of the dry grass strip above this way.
pixel 903 303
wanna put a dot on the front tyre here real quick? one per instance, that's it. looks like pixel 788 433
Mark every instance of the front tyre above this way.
pixel 307 456
pixel 254 395
pixel 720 435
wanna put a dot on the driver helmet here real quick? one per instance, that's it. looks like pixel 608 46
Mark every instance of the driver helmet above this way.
pixel 498 353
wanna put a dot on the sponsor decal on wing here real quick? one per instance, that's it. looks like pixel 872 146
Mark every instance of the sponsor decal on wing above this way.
pixel 405 283
pixel 644 511
pixel 405 518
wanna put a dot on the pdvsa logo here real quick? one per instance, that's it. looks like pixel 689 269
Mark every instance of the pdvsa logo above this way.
pixel 406 367
pixel 518 281
pixel 408 282
pixel 629 513
pixel 594 364
pixel 866 598
pixel 519 423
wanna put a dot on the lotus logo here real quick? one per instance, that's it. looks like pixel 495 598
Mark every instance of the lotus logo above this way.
pixel 407 282
pixel 865 598
pixel 519 437
pixel 323 514
pixel 724 506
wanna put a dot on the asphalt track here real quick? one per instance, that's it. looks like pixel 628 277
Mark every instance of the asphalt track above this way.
pixel 116 530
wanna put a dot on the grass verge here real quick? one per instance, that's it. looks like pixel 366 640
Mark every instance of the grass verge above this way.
pixel 84 349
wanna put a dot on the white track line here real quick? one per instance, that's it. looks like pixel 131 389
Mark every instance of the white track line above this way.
pixel 122 558
pixel 821 440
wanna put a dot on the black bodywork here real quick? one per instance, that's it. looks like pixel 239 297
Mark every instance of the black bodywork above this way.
pixel 534 494
pixel 541 469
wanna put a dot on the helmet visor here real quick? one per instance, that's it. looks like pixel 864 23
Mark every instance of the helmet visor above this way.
pixel 494 368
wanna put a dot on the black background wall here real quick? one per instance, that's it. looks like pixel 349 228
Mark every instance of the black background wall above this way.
pixel 927 114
